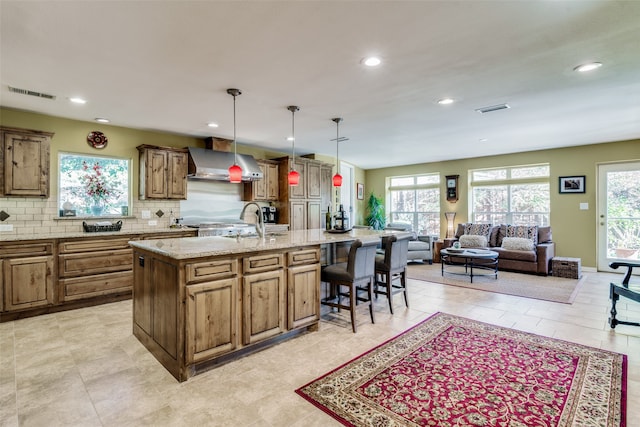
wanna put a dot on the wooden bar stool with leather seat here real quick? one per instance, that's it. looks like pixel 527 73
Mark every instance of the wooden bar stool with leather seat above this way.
pixel 352 278
pixel 391 268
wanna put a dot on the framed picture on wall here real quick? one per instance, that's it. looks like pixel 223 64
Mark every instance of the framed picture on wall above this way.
pixel 360 191
pixel 572 184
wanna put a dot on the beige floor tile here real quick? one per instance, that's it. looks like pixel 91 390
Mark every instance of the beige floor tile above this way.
pixel 85 368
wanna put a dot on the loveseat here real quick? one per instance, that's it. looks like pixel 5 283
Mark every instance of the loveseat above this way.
pixel 420 247
pixel 520 248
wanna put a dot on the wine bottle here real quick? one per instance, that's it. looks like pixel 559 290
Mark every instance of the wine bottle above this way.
pixel 328 218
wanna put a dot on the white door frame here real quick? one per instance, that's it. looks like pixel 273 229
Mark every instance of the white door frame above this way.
pixel 602 259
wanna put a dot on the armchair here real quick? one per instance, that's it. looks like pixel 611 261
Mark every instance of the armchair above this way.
pixel 420 247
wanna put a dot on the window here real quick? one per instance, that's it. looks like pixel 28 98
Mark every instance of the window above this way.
pixel 416 200
pixel 93 186
pixel 512 195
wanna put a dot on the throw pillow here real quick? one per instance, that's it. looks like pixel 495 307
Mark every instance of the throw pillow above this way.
pixel 523 231
pixel 478 229
pixel 517 244
pixel 473 241
pixel 460 230
pixel 544 235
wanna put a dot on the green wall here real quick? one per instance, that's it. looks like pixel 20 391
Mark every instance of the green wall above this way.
pixel 574 230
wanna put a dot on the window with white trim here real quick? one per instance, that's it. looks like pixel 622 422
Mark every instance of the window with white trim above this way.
pixel 415 200
pixel 516 195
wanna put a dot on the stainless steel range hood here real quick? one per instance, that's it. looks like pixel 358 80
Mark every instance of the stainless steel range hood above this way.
pixel 207 164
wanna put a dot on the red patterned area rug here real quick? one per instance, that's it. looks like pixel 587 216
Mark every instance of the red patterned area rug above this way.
pixel 452 371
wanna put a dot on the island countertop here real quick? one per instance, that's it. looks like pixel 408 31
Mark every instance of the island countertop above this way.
pixel 200 247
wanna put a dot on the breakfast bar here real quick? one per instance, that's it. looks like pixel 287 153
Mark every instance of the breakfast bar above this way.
pixel 202 301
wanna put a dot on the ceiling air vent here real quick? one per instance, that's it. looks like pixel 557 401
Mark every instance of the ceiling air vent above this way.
pixel 31 92
pixel 492 108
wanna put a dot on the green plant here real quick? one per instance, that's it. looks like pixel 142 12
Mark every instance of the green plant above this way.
pixel 376 217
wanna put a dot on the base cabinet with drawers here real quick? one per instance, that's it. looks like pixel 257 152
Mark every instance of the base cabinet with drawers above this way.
pixel 43 276
pixel 94 267
pixel 222 307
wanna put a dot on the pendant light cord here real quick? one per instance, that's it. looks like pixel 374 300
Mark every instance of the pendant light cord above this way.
pixel 235 143
pixel 293 135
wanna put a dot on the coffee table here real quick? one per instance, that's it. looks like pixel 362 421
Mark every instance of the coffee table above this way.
pixel 479 259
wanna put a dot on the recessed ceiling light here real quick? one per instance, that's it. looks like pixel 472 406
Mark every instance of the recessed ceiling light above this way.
pixel 78 100
pixel 372 61
pixel 483 140
pixel 290 138
pixel 102 120
pixel 446 101
pixel 587 67
pixel 212 125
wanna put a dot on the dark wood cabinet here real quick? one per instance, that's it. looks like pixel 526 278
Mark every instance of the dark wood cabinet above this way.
pixel 24 162
pixel 267 188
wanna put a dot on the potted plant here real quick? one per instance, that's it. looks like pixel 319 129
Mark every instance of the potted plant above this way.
pixel 376 217
pixel 627 241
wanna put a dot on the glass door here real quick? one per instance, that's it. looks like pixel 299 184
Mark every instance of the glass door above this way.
pixel 619 213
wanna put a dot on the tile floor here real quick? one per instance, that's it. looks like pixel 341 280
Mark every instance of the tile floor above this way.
pixel 85 368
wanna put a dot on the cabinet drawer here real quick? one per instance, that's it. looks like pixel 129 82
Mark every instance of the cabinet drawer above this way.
pixel 25 249
pixel 211 270
pixel 96 285
pixel 304 256
pixel 94 245
pixel 83 264
pixel 259 263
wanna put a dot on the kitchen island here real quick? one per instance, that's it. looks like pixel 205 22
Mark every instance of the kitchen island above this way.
pixel 202 301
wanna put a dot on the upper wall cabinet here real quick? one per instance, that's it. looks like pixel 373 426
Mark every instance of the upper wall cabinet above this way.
pixel 163 172
pixel 267 188
pixel 24 160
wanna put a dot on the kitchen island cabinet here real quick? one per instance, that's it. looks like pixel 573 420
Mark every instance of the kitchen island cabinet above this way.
pixel 199 302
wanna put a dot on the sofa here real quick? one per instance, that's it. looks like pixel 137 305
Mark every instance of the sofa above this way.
pixel 420 247
pixel 520 248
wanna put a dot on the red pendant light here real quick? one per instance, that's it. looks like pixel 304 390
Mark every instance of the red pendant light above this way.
pixel 337 178
pixel 235 171
pixel 294 176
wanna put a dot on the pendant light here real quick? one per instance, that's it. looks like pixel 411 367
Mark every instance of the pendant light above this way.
pixel 294 176
pixel 337 178
pixel 235 171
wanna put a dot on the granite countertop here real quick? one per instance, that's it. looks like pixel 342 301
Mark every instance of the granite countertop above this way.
pixel 80 233
pixel 200 247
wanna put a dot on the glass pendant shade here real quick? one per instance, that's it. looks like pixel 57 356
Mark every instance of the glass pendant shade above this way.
pixel 294 178
pixel 235 171
pixel 235 174
pixel 337 178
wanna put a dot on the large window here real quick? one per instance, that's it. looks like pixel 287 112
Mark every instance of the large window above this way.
pixel 93 186
pixel 516 195
pixel 416 200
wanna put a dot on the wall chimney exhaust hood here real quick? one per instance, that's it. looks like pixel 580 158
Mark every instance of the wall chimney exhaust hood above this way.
pixel 212 165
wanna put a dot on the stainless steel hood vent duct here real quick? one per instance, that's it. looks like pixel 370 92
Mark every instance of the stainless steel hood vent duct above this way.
pixel 207 164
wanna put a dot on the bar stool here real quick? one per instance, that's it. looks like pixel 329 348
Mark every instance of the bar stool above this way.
pixel 348 279
pixel 391 268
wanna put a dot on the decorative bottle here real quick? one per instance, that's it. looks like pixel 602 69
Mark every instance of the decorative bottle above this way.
pixel 328 218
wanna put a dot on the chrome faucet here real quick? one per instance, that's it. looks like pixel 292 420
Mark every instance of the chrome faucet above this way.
pixel 260 229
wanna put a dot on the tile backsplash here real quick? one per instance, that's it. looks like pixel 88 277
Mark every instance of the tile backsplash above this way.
pixel 33 217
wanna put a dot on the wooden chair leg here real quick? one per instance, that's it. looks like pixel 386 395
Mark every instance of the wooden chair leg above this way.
pixel 353 298
pixel 403 282
pixel 370 294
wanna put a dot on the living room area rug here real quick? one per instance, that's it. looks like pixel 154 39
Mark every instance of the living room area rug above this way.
pixel 548 288
pixel 453 371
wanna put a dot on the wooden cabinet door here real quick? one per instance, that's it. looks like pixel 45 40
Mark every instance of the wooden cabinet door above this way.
pixel 259 187
pixel 299 191
pixel 272 182
pixel 304 295
pixel 26 164
pixel 177 171
pixel 212 310
pixel 263 311
pixel 28 282
pixel 298 215
pixel 155 174
pixel 313 215
pixel 313 180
